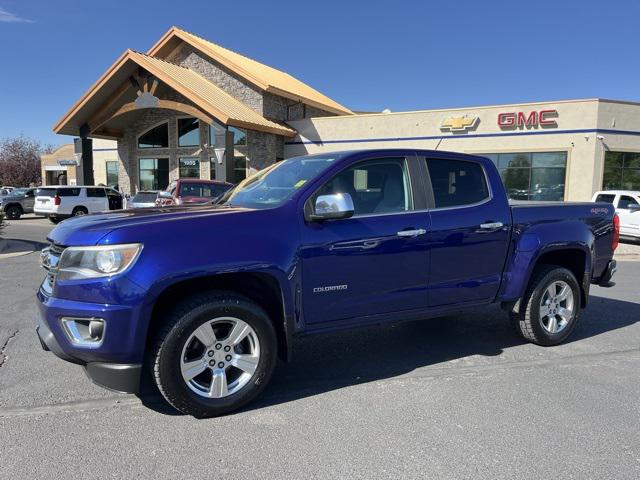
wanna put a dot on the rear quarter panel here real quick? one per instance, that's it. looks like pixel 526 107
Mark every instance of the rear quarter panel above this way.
pixel 539 228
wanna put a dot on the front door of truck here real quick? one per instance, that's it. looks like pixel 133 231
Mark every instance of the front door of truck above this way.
pixel 375 262
pixel 469 233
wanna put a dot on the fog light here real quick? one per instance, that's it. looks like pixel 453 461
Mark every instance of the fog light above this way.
pixel 85 332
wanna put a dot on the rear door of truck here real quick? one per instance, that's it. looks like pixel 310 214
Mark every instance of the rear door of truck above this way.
pixel 470 230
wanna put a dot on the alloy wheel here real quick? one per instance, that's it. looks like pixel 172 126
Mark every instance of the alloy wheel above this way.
pixel 220 357
pixel 556 307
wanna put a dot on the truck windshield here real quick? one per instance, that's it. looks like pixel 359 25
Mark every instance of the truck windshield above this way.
pixel 274 185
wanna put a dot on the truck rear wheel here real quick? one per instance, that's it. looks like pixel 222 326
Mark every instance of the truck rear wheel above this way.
pixel 215 353
pixel 548 312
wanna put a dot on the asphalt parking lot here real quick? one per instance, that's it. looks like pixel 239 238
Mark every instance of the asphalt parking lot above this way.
pixel 459 397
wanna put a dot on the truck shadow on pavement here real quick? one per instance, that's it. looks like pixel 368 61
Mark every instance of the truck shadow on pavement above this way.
pixel 328 362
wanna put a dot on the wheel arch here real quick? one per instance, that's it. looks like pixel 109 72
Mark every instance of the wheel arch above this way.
pixel 13 204
pixel 577 258
pixel 262 288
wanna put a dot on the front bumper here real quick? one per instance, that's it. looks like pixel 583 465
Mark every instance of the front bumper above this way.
pixel 109 365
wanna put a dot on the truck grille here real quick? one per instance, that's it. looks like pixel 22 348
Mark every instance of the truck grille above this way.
pixel 49 258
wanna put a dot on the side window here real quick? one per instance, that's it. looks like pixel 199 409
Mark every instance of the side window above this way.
pixel 606 198
pixel 376 186
pixel 95 192
pixel 457 182
pixel 626 201
pixel 29 194
pixel 68 192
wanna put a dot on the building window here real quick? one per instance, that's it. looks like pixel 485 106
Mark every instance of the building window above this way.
pixel 157 137
pixel 112 173
pixel 532 175
pixel 212 168
pixel 621 171
pixel 239 168
pixel 154 173
pixel 189 167
pixel 239 136
pixel 188 132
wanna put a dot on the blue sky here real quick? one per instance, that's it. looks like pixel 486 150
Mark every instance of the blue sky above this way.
pixel 368 55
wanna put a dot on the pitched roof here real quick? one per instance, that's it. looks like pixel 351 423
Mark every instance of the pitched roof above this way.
pixel 207 96
pixel 211 98
pixel 263 76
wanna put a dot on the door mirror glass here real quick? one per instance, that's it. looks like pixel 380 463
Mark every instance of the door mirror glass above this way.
pixel 332 207
pixel 634 208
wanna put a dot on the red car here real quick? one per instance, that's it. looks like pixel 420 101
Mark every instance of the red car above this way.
pixel 186 191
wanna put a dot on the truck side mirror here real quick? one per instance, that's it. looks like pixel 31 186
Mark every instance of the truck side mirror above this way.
pixel 634 208
pixel 332 207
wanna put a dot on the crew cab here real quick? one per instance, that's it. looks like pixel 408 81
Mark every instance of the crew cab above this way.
pixel 627 205
pixel 58 203
pixel 311 244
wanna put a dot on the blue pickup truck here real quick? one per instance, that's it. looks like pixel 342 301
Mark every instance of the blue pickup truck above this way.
pixel 204 300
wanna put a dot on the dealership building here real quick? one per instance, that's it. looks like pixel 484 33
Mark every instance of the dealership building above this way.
pixel 191 108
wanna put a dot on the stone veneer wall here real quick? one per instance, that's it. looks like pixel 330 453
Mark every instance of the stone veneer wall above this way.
pixel 219 75
pixel 129 153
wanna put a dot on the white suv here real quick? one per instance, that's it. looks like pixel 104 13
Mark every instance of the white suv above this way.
pixel 60 202
pixel 627 204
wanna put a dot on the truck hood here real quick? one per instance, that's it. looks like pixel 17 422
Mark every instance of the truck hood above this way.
pixel 90 229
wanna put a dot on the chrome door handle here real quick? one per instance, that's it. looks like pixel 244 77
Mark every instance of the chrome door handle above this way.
pixel 491 225
pixel 412 233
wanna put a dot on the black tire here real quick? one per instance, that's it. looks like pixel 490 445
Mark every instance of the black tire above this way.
pixel 13 212
pixel 526 317
pixel 55 220
pixel 176 329
pixel 78 211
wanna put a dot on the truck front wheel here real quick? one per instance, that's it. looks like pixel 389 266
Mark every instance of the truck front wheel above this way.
pixel 548 312
pixel 215 353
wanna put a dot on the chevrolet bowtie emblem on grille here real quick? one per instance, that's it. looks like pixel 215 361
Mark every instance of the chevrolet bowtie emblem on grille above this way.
pixel 458 124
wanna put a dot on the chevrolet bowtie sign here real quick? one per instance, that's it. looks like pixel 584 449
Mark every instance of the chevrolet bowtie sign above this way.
pixel 459 124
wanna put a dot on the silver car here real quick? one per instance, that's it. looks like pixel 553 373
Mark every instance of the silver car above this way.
pixel 143 199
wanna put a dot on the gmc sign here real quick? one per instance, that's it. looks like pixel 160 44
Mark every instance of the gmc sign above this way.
pixel 534 119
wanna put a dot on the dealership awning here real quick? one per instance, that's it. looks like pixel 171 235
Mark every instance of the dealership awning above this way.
pixel 132 84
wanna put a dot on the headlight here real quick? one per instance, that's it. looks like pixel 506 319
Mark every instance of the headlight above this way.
pixel 94 262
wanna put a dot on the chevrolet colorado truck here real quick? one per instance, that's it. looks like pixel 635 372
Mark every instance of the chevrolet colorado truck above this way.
pixel 205 299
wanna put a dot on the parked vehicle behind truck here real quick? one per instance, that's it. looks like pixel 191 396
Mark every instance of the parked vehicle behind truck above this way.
pixel 60 202
pixel 627 205
pixel 17 202
pixel 311 244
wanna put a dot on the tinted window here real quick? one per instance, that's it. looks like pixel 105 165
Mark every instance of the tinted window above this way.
pixel 188 132
pixel 626 201
pixel 375 186
pixel 68 192
pixel 606 198
pixel 199 190
pixel 457 183
pixel 189 167
pixel 96 192
pixel 154 173
pixel 145 197
pixel 157 137
pixel 46 192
